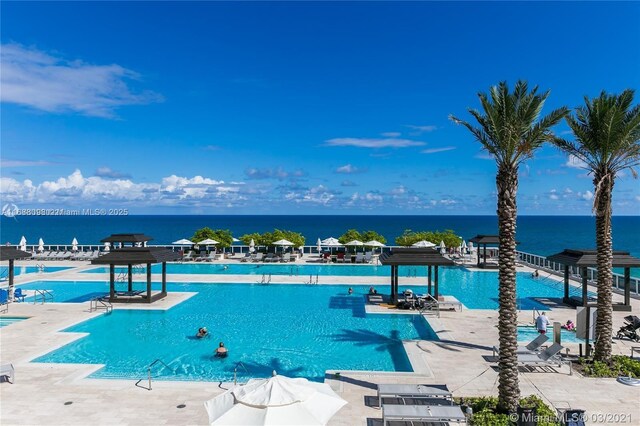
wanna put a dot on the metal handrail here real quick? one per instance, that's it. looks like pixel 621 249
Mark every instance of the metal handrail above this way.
pixel 100 303
pixel 429 303
pixel 157 361
pixel 46 295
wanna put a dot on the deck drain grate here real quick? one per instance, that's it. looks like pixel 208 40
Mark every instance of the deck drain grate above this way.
pixel 68 403
pixel 181 406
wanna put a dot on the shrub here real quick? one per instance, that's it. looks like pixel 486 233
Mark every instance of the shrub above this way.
pixel 485 411
pixel 410 237
pixel 223 236
pixel 268 238
pixel 620 366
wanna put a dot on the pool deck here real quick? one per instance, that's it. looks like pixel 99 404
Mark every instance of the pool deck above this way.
pixel 461 359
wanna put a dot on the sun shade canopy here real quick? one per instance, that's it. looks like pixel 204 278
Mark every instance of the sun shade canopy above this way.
pixel 415 256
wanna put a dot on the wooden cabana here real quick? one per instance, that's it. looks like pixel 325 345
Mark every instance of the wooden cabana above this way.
pixel 12 254
pixel 484 241
pixel 583 259
pixel 129 256
pixel 123 239
pixel 414 256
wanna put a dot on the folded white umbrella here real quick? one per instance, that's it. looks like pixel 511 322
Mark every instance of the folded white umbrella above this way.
pixel 107 246
pixel 74 244
pixel 252 246
pixel 23 244
pixel 423 243
pixel 278 400
pixel 208 242
pixel 40 245
pixel 319 244
pixel 283 242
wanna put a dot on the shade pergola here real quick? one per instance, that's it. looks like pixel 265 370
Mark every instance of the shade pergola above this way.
pixel 583 259
pixel 124 239
pixel 414 256
pixel 11 254
pixel 484 241
pixel 129 256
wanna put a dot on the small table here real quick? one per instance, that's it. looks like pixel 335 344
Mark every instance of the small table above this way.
pixel 414 391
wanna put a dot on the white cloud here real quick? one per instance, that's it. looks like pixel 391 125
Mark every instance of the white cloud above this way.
pixel 575 163
pixel 587 195
pixel 39 80
pixel 553 195
pixel 22 163
pixel 373 143
pixel 421 129
pixel 272 173
pixel 391 134
pixel 484 155
pixel 435 150
pixel 349 169
pixel 106 172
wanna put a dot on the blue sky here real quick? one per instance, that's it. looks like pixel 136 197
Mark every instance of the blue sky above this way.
pixel 311 108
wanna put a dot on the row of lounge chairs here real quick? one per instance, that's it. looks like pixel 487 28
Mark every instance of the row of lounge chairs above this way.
pixel 342 257
pixel 270 257
pixel 419 403
pixel 534 354
pixel 67 255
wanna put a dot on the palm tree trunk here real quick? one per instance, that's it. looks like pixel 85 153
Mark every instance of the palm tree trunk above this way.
pixel 508 387
pixel 604 322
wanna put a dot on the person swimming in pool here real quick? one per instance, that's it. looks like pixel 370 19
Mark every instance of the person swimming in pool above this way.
pixel 350 290
pixel 202 332
pixel 221 351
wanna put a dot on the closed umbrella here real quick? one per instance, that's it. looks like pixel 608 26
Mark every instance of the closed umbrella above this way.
pixel 252 246
pixel 319 245
pixel 107 246
pixel 443 248
pixel 74 244
pixel 278 400
pixel 23 244
pixel 40 245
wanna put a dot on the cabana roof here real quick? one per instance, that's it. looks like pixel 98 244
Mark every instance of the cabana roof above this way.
pixel 136 255
pixel 416 256
pixel 126 238
pixel 587 258
pixel 485 239
pixel 12 253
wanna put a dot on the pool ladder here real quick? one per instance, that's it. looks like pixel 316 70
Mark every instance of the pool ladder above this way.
pixel 149 367
pixel 311 280
pixel 40 267
pixel 42 296
pixel 100 303
pixel 266 279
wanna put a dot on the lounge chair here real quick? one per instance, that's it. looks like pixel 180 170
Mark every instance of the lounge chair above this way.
pixel 340 257
pixel 210 258
pixel 531 347
pixel 19 295
pixel 550 356
pixel 258 257
pixel 368 257
pixel 247 257
pixel 293 257
pixel 359 258
pixel 422 413
pixel 326 258
pixel 7 370
pixel 439 393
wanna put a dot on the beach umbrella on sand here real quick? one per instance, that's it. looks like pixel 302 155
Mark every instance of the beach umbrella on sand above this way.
pixel 423 243
pixel 183 242
pixel 252 246
pixel 74 244
pixel 23 244
pixel 278 400
pixel 40 245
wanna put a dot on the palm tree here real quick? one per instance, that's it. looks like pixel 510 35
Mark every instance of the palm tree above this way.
pixel 510 129
pixel 607 133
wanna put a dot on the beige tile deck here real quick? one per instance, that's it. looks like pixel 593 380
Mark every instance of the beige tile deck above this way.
pixel 459 359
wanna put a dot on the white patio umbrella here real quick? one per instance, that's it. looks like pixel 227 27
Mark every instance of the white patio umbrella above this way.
pixel 74 244
pixel 252 246
pixel 374 243
pixel 183 242
pixel 283 242
pixel 443 247
pixel 208 242
pixel 107 246
pixel 423 243
pixel 23 244
pixel 354 243
pixel 40 245
pixel 235 240
pixel 331 242
pixel 278 400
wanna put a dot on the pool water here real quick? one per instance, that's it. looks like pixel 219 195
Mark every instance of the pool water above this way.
pixel 5 321
pixel 527 334
pixel 297 330
pixel 21 270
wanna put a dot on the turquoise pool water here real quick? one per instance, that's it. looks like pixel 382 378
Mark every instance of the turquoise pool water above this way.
pixel 476 290
pixel 296 330
pixel 527 334
pixel 5 321
pixel 20 270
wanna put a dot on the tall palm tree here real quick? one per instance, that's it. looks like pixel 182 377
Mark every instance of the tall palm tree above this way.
pixel 510 129
pixel 607 134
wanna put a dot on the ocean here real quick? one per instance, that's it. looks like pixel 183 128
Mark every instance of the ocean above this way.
pixel 542 235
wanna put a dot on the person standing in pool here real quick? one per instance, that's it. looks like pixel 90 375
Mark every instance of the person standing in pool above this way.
pixel 350 290
pixel 221 352
pixel 541 323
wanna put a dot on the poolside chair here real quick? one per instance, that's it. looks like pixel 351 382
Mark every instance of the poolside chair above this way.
pixel 435 394
pixel 531 347
pixel 210 258
pixel 422 413
pixel 19 295
pixel 247 257
pixel 293 257
pixel 368 257
pixel 550 356
pixel 326 258
pixel 359 258
pixel 188 256
pixel 258 257
pixel 7 370
pixel 340 257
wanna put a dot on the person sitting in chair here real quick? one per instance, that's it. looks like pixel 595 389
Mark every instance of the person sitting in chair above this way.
pixel 570 326
pixel 221 352
pixel 202 332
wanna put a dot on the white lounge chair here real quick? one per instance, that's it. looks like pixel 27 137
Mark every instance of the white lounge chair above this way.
pixel 531 347
pixel 440 392
pixel 359 258
pixel 550 356
pixel 422 413
pixel 7 370
pixel 368 257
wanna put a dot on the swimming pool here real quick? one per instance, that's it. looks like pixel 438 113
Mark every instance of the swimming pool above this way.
pixel 527 334
pixel 476 290
pixel 297 330
pixel 21 270
pixel 5 321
